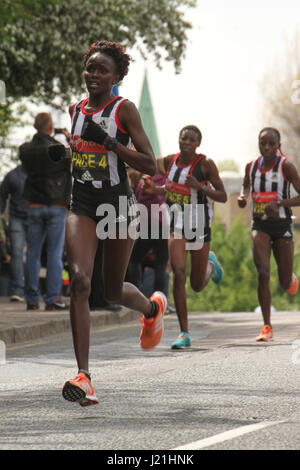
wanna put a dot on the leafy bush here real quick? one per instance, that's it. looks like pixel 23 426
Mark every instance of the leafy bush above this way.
pixel 238 291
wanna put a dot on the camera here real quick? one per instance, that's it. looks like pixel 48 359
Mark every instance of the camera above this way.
pixel 58 130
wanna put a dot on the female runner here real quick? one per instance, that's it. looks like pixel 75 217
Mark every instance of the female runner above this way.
pixel 268 180
pixel 192 183
pixel 103 128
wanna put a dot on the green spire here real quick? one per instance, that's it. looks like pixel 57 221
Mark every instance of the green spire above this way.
pixel 147 116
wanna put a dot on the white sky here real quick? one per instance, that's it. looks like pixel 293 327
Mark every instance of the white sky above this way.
pixel 231 46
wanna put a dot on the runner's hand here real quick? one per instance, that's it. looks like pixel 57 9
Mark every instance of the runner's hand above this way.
pixel 192 182
pixel 91 132
pixel 148 184
pixel 272 208
pixel 242 201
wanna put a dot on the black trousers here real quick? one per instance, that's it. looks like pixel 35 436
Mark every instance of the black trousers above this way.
pixel 159 250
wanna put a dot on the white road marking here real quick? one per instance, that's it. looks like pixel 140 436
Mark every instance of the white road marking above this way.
pixel 225 436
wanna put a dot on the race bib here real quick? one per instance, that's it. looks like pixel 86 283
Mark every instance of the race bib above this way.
pixel 89 161
pixel 177 193
pixel 260 200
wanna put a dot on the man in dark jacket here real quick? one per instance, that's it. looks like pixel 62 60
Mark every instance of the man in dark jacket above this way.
pixel 47 189
pixel 11 190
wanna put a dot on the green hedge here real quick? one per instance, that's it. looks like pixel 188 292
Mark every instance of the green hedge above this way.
pixel 238 291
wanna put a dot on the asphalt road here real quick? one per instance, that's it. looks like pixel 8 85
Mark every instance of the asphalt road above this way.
pixel 226 392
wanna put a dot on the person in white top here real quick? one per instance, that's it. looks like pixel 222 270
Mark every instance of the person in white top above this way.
pixel 192 183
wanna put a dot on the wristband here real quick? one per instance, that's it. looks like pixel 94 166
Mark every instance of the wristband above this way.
pixel 91 132
pixel 111 144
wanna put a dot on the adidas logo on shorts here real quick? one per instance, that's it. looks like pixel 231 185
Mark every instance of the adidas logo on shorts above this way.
pixel 287 234
pixel 87 176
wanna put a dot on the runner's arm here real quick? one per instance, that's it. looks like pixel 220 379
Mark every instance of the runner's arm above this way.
pixel 216 190
pixel 142 158
pixel 291 173
pixel 245 189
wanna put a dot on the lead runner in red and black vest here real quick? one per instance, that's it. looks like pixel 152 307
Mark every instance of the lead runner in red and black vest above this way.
pixel 102 128
pixel 100 177
pixel 268 181
pixel 192 184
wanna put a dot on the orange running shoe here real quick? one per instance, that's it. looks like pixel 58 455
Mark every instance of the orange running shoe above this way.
pixel 294 286
pixel 153 327
pixel 80 389
pixel 266 334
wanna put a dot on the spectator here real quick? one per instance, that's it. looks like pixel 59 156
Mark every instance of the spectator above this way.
pixel 157 245
pixel 4 254
pixel 134 178
pixel 147 284
pixel 47 189
pixel 4 261
pixel 11 190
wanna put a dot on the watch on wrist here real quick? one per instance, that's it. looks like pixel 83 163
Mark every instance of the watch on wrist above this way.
pixel 111 144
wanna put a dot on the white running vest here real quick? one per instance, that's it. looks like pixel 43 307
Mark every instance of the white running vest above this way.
pixel 266 186
pixel 177 192
pixel 91 161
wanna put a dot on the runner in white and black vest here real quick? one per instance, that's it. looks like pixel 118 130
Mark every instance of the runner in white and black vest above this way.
pixel 103 127
pixel 267 181
pixel 192 184
pixel 177 192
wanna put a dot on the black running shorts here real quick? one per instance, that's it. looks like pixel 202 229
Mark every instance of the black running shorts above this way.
pixel 94 203
pixel 275 229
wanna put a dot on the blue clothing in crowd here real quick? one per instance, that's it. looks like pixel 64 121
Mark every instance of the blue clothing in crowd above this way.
pixel 11 190
pixel 12 187
pixel 47 188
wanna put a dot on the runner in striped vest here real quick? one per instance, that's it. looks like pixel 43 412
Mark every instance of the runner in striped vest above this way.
pixel 267 180
pixel 92 161
pixel 177 192
pixel 269 185
pixel 102 128
pixel 193 183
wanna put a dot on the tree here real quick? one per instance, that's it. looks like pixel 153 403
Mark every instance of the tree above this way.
pixel 41 52
pixel 281 98
pixel 12 12
pixel 42 43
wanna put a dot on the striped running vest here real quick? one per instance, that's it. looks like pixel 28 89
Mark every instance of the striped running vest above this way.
pixel 177 192
pixel 93 162
pixel 266 186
